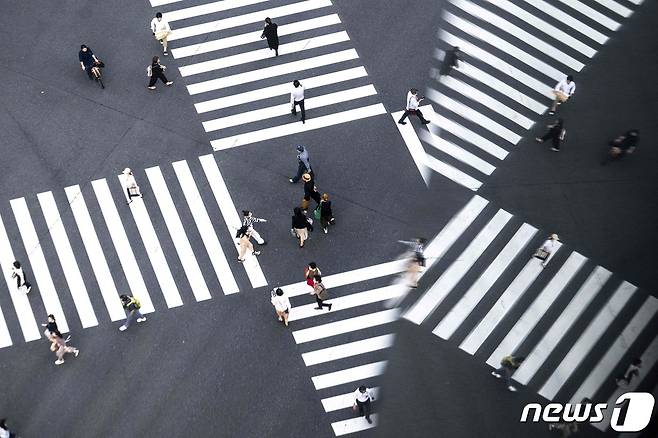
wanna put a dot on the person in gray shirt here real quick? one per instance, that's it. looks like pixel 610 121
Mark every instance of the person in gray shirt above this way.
pixel 303 164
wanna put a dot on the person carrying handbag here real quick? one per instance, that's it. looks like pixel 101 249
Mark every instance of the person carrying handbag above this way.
pixel 300 226
pixel 320 293
pixel 310 272
pixel 156 71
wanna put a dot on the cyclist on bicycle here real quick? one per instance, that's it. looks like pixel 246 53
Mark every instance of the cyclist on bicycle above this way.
pixel 87 60
pixel 624 144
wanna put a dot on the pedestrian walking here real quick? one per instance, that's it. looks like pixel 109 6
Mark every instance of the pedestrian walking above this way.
pixel 508 365
pixel 281 304
pixel 549 246
pixel 270 32
pixel 62 348
pixel 87 60
pixel 320 293
pixel 326 215
pixel 244 236
pixel 21 279
pixel 622 145
pixel 300 226
pixel 413 100
pixel 303 164
pixel 562 92
pixel 310 191
pixel 363 398
pixel 310 272
pixel 161 30
pixel 4 429
pixel 156 71
pixel 248 220
pixel 416 263
pixel 632 371
pixel 131 306
pixel 131 185
pixel 450 60
pixel 297 98
pixel 51 327
pixel 556 133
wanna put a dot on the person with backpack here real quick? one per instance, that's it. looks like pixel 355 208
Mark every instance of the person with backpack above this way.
pixel 310 272
pixel 132 306
pixel 21 280
pixel 556 133
pixel 320 293
pixel 155 71
pixel 508 365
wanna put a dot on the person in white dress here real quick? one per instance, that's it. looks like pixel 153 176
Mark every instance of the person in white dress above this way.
pixel 281 304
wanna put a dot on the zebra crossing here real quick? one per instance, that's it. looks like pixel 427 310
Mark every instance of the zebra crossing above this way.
pixel 577 324
pixel 241 91
pixel 514 52
pixel 90 235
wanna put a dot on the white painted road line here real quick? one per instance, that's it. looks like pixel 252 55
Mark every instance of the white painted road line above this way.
pixel 38 263
pixel 252 37
pixel 345 326
pixel 602 372
pixel 297 127
pixel 155 3
pixel 460 311
pixel 456 152
pixel 122 244
pixel 503 305
pixel 415 147
pixel 348 350
pixel 344 401
pixel 497 63
pixel 279 90
pixel 284 108
pixel 354 424
pixel 544 26
pixel 537 309
pixel 520 34
pixel 567 19
pixel 230 215
pixel 5 337
pixel 467 135
pixel 582 347
pixel 207 8
pixel 354 374
pixel 348 277
pixel 259 54
pixel 348 301
pixel 501 87
pixel 616 7
pixel 205 227
pixel 578 304
pixel 20 301
pixel 66 257
pixel 178 235
pixel 474 116
pixel 452 173
pixel 504 46
pixel 242 20
pixel 273 71
pixel 154 251
pixel 435 295
pixel 95 253
pixel 592 14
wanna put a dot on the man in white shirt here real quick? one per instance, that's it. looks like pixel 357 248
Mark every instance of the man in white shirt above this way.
pixel 362 398
pixel 161 31
pixel 297 98
pixel 562 92
pixel 412 107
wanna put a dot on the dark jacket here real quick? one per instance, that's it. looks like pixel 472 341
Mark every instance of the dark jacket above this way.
pixel 300 222
pixel 272 36
pixel 156 69
pixel 325 209
pixel 309 188
pixel 87 59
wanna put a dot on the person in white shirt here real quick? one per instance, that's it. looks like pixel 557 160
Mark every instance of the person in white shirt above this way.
pixel 562 92
pixel 21 280
pixel 412 107
pixel 161 31
pixel 362 398
pixel 281 304
pixel 131 185
pixel 297 98
pixel 548 247
pixel 633 370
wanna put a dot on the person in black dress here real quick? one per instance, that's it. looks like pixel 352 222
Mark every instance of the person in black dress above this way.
pixel 555 134
pixel 157 72
pixel 272 36
pixel 326 215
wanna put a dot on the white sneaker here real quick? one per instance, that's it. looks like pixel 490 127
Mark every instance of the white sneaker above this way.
pixel 280 319
pixel 511 388
pixel 495 374
pixel 325 230
pixel 142 319
pixel 122 328
pixel 28 290
pixel 76 352
pixel 59 361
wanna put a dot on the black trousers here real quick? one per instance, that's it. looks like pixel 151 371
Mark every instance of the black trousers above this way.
pixel 155 76
pixel 364 408
pixel 321 304
pixel 417 112
pixel 315 195
pixel 555 138
pixel 301 106
pixel 301 170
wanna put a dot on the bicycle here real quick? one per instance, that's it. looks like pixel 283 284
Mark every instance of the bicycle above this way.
pixel 97 74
